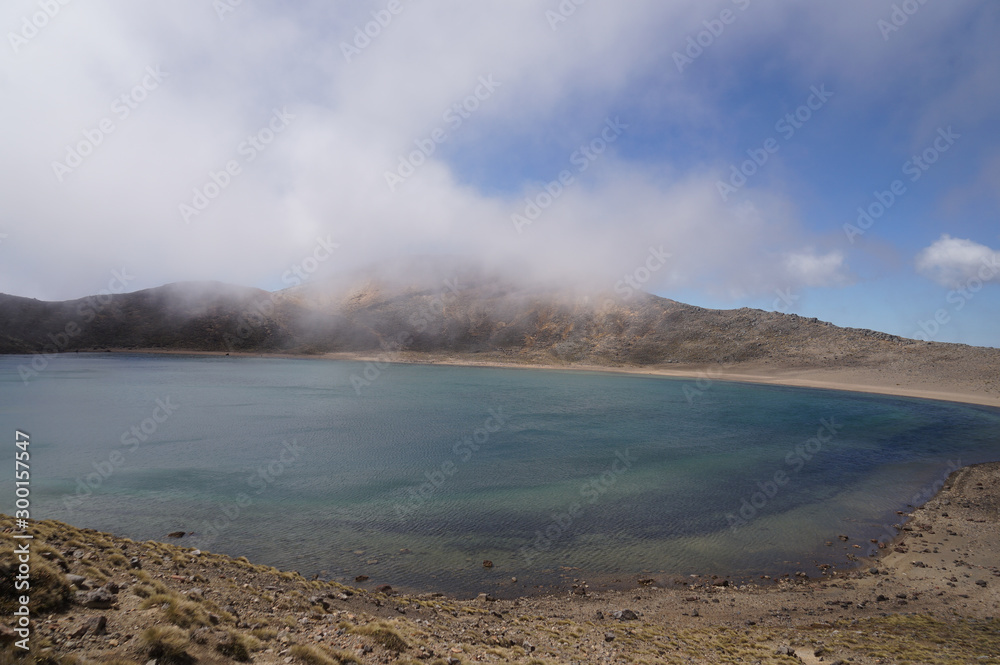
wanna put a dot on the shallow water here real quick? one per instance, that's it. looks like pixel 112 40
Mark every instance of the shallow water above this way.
pixel 418 477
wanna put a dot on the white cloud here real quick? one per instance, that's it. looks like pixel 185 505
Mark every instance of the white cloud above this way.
pixel 811 269
pixel 958 263
pixel 324 175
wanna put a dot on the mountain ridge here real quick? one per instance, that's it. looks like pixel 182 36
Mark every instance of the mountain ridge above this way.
pixel 483 320
pixel 214 316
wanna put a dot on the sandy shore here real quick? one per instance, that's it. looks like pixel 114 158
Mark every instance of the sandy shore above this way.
pixel 930 384
pixel 931 596
pixel 933 383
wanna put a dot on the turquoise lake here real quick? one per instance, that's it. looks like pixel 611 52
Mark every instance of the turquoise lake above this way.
pixel 422 473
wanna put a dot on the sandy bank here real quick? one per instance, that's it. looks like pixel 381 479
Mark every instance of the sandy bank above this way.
pixel 946 383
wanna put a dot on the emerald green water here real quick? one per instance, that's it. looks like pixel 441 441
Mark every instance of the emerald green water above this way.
pixel 422 474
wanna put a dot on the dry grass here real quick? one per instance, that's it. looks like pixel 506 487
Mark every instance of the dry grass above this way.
pixel 178 611
pixel 167 643
pixel 923 640
pixel 238 646
pixel 384 635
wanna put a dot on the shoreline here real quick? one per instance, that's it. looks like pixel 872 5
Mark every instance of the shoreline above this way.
pixel 870 380
pixel 931 596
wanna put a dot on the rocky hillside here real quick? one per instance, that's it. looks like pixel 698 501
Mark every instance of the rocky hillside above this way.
pixel 467 316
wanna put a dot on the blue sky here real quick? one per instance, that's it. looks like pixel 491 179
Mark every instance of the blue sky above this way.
pixel 538 80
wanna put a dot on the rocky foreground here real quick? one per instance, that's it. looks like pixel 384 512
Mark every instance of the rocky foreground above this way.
pixel 933 597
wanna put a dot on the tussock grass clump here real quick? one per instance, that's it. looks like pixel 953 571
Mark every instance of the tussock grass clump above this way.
pixel 144 590
pixel 238 646
pixel 12 655
pixel 178 611
pixel 167 643
pixel 117 560
pixel 266 634
pixel 50 592
pixel 95 574
pixel 384 635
